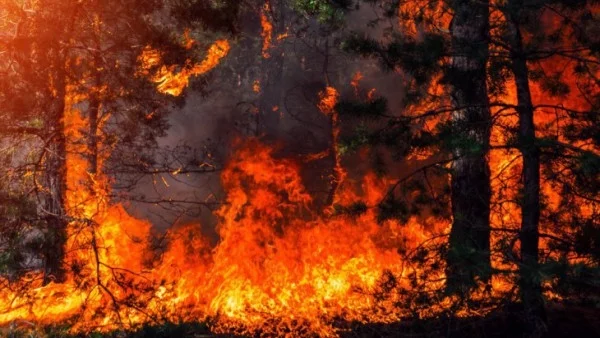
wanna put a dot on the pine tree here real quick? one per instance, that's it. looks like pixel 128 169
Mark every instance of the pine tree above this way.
pixel 446 67
pixel 532 50
pixel 548 53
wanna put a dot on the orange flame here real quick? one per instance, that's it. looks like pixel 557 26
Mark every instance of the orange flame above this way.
pixel 171 82
pixel 276 260
pixel 267 30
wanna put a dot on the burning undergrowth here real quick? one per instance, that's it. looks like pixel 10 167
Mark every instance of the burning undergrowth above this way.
pixel 278 266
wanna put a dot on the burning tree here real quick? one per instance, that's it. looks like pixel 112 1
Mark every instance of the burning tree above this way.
pixel 564 39
pixel 497 57
pixel 84 61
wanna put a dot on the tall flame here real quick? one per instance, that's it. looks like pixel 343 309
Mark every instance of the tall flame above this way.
pixel 276 260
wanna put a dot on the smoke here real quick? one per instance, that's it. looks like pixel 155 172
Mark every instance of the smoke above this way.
pixel 272 98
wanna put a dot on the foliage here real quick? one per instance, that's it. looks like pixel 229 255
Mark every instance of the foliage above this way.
pixel 326 11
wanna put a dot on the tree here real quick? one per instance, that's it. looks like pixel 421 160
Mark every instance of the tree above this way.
pixel 530 50
pixel 547 49
pixel 530 207
pixel 85 56
pixel 469 243
pixel 445 63
pixel 32 50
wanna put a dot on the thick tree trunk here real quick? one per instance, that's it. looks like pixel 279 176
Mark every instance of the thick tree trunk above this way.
pixel 55 204
pixel 469 251
pixel 530 285
pixel 56 185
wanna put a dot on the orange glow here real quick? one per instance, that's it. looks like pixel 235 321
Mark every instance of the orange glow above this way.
pixel 256 86
pixel 188 41
pixel 431 16
pixel 356 82
pixel 283 36
pixel 506 164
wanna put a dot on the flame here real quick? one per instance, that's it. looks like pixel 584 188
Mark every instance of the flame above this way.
pixel 267 30
pixel 171 82
pixel 280 267
pixel 276 258
pixel 506 164
pixel 188 41
pixel 329 98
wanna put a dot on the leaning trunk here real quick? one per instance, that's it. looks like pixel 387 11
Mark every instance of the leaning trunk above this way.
pixel 469 251
pixel 530 285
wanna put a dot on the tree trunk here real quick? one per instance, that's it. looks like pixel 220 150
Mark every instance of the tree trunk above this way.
pixel 56 180
pixel 529 283
pixel 469 251
pixel 93 119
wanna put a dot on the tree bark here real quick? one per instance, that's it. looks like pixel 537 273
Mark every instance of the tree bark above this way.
pixel 56 181
pixel 469 250
pixel 529 283
pixel 93 119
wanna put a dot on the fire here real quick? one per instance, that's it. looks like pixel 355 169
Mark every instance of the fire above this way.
pixel 280 266
pixel 267 29
pixel 296 269
pixel 329 98
pixel 171 82
pixel 276 260
pixel 506 165
pixel 99 245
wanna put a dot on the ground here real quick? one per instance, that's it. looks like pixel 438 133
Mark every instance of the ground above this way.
pixel 563 321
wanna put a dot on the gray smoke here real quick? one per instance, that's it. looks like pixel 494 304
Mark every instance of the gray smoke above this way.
pixel 284 111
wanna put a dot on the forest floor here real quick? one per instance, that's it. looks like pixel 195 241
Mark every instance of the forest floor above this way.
pixel 563 321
